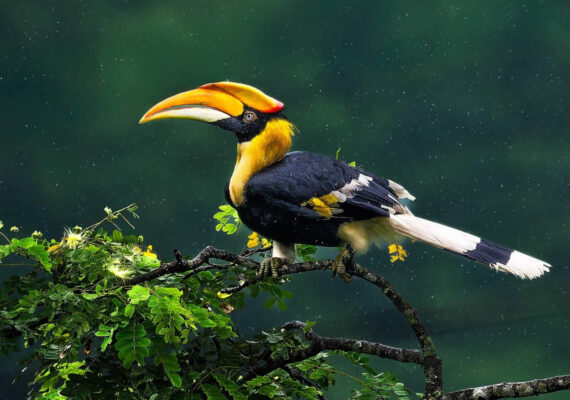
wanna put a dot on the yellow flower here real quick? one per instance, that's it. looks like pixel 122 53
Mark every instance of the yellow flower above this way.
pixel 223 295
pixel 148 252
pixel 119 270
pixel 72 239
pixel 54 248
pixel 253 240
pixel 397 253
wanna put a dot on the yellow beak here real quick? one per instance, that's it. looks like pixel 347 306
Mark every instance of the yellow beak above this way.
pixel 213 102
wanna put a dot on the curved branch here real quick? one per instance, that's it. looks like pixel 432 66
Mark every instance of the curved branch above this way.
pixel 319 344
pixel 507 390
pixel 431 364
pixel 412 317
pixel 359 346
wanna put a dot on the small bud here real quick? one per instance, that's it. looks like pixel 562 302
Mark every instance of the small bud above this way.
pixel 77 228
pixel 1 224
pixel 140 238
pixel 37 235
pixel 108 210
pixel 14 229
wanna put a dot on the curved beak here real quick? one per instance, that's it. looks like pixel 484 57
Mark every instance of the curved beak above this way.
pixel 213 102
pixel 199 104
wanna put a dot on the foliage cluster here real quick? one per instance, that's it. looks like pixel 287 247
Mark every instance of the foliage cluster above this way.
pixel 90 334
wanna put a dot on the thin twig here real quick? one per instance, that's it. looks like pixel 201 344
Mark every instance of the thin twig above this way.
pixel 250 252
pixel 181 265
pixel 298 376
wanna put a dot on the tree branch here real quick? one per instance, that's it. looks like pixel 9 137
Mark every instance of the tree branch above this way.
pixel 318 344
pixel 181 265
pixel 506 390
pixel 431 364
pixel 427 357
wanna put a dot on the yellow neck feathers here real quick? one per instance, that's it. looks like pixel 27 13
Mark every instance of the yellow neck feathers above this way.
pixel 261 151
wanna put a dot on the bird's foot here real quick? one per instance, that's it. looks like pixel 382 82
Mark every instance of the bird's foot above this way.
pixel 342 265
pixel 270 267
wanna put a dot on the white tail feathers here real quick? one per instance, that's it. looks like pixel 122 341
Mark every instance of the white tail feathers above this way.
pixel 468 245
pixel 523 266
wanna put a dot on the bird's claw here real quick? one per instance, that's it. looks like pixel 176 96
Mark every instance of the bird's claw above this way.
pixel 339 267
pixel 270 267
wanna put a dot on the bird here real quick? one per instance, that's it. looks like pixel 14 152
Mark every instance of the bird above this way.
pixel 306 198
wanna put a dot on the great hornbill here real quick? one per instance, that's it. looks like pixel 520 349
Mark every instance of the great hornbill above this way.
pixel 308 198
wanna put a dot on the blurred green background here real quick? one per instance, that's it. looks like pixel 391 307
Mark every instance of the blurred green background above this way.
pixel 464 103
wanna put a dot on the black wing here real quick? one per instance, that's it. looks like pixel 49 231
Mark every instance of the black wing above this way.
pixel 311 195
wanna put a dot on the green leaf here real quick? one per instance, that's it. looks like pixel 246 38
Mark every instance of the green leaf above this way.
pixel 282 305
pixel 254 291
pixel 306 251
pixel 206 276
pixel 224 216
pixel 232 388
pixel 132 345
pixel 147 262
pixel 268 390
pixel 212 392
pixel 168 291
pixel 138 293
pixel 269 302
pixel 170 366
pixel 230 229
pixel 219 215
pixel 67 369
pixel 117 236
pixel 175 379
pixel 104 330
pixel 89 296
pixel 32 248
pixel 202 316
pixel 106 343
pixel 258 381
pixel 24 243
pixel 129 310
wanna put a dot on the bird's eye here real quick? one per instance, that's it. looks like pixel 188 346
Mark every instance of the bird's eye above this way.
pixel 249 117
